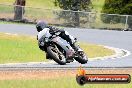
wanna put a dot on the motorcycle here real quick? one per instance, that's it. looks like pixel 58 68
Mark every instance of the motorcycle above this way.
pixel 61 51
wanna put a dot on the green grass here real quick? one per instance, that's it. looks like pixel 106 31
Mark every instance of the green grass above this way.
pixel 7 1
pixel 98 4
pixel 20 23
pixel 55 83
pixel 6 9
pixel 14 48
pixel 19 49
pixel 93 50
pixel 49 4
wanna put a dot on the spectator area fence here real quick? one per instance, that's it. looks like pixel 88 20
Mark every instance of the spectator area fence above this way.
pixel 68 18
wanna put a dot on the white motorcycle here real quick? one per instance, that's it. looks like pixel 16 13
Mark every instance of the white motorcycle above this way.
pixel 60 50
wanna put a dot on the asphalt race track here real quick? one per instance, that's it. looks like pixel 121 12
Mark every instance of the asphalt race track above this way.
pixel 117 39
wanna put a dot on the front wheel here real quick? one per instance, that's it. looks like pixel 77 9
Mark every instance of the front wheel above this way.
pixel 56 55
pixel 81 58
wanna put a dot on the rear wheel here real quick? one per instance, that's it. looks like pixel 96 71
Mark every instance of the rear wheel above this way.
pixel 56 55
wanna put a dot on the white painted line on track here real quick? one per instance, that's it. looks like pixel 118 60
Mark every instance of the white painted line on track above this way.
pixel 119 53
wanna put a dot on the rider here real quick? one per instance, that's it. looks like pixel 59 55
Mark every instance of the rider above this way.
pixel 42 26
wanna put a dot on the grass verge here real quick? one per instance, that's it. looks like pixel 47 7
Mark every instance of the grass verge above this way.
pixel 7 22
pixel 55 78
pixel 14 49
pixel 64 82
pixel 49 4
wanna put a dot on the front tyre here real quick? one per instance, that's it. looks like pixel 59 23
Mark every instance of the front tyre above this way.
pixel 56 55
pixel 81 58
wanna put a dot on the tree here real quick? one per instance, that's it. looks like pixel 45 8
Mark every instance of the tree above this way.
pixel 123 7
pixel 74 5
pixel 19 9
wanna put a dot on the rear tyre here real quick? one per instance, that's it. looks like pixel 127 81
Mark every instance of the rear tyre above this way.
pixel 60 59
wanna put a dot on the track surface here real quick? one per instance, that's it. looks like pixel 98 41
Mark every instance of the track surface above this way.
pixel 118 39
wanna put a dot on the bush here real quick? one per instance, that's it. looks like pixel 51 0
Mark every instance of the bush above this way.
pixel 123 7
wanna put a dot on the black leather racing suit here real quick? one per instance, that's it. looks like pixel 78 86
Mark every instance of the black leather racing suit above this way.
pixel 62 34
